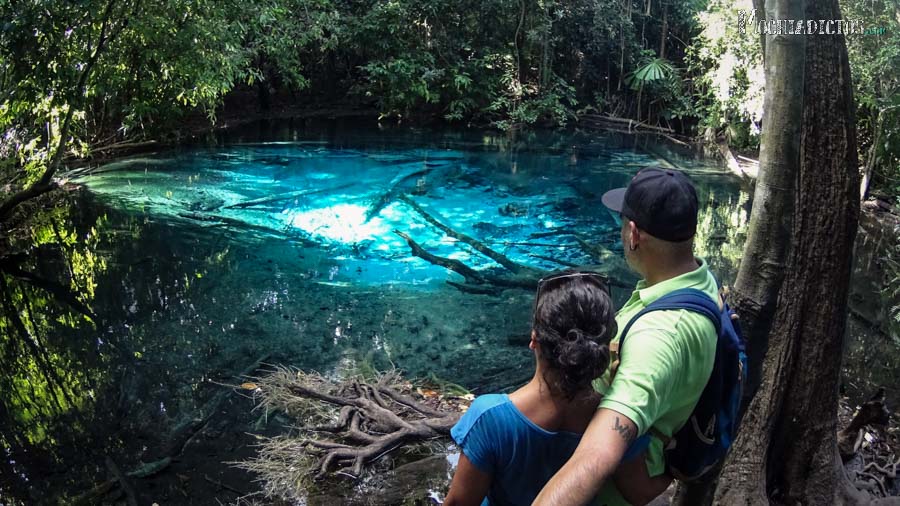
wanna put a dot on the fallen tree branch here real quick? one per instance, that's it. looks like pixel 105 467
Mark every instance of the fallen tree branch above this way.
pixel 391 193
pixel 281 197
pixel 467 272
pixel 479 246
pixel 130 494
pixel 555 260
pixel 630 124
pixel 873 411
pixel 126 145
pixel 730 161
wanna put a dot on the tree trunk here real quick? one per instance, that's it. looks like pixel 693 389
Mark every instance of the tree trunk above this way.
pixel 759 9
pixel 870 159
pixel 664 31
pixel 768 238
pixel 787 451
pixel 622 44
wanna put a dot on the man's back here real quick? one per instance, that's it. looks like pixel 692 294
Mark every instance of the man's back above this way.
pixel 665 364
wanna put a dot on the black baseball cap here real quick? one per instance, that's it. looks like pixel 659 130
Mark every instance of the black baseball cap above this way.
pixel 662 202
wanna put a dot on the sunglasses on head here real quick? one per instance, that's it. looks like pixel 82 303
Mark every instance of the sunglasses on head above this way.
pixel 602 278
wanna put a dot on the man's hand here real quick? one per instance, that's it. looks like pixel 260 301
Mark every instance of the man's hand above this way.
pixel 594 461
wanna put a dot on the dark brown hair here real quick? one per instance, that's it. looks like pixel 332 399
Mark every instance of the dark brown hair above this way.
pixel 574 322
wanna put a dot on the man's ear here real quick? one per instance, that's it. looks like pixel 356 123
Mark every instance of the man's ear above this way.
pixel 533 345
pixel 634 235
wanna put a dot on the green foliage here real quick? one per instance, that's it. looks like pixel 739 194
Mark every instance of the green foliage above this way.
pixel 727 84
pixel 875 68
pixel 651 70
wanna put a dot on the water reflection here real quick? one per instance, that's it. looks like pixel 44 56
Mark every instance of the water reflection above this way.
pixel 52 372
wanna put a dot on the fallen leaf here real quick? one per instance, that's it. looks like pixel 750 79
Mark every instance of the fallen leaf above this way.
pixel 428 393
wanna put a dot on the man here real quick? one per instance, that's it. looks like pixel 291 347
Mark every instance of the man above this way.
pixel 668 356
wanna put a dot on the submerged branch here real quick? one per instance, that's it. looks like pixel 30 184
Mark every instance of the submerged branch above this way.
pixel 281 197
pixel 479 246
pixel 392 192
pixel 467 272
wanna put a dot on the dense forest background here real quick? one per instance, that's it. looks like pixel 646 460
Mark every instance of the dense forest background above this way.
pixel 118 70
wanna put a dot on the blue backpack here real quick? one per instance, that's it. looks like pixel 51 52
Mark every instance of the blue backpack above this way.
pixel 702 443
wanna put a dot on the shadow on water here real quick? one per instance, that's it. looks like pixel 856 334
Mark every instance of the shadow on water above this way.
pixel 194 263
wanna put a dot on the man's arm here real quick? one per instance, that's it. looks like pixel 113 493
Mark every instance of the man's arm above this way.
pixel 594 461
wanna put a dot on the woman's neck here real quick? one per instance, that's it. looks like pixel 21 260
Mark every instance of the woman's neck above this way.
pixel 551 412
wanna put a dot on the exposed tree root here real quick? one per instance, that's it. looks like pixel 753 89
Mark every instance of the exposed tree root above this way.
pixel 343 426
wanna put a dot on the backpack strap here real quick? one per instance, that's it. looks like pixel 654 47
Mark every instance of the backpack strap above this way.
pixel 690 299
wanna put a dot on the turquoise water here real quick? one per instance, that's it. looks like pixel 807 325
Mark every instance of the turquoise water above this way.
pixel 281 243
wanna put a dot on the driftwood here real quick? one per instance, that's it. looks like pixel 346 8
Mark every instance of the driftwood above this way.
pixel 479 246
pixel 344 426
pixel 630 125
pixel 523 277
pixel 281 197
pixel 392 192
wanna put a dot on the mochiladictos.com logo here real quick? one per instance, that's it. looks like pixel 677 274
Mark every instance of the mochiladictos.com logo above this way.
pixel 774 26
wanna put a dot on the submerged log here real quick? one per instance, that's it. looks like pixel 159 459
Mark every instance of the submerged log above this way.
pixel 479 246
pixel 467 272
pixel 392 192
pixel 281 197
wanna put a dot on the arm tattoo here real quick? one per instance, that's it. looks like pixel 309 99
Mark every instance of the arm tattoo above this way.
pixel 625 431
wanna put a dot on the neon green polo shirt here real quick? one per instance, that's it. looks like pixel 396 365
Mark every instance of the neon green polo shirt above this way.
pixel 665 364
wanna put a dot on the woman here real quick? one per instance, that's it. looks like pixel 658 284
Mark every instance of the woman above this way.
pixel 513 444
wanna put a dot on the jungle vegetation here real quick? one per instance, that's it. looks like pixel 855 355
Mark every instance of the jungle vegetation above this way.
pixel 81 79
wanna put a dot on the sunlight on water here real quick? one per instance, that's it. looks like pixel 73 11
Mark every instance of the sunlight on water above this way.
pixel 344 223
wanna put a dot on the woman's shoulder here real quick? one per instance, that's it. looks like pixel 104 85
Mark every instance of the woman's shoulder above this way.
pixel 486 410
pixel 484 403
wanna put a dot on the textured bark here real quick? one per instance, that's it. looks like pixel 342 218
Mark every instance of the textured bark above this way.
pixel 819 276
pixel 768 237
pixel 787 450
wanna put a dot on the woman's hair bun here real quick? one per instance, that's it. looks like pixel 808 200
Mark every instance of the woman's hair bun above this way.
pixel 574 335
pixel 574 321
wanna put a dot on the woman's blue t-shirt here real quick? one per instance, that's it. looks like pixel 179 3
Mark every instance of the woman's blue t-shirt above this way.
pixel 519 455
